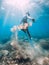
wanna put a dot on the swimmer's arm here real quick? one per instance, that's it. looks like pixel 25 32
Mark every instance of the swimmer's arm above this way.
pixel 31 18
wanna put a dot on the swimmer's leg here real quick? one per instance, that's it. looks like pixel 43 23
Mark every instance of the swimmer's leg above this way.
pixel 28 33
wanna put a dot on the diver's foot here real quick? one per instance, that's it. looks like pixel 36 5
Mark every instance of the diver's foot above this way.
pixel 31 38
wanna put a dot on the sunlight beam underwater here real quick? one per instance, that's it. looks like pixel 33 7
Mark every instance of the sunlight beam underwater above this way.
pixel 22 6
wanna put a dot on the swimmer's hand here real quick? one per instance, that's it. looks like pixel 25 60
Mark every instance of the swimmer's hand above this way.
pixel 33 20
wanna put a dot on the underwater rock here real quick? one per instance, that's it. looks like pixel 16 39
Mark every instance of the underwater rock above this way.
pixel 46 61
pixel 40 60
pixel 14 44
pixel 21 53
pixel 4 52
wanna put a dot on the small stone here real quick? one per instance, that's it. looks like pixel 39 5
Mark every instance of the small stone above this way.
pixel 5 52
pixel 16 64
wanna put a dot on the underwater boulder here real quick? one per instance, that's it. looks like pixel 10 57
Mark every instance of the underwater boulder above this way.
pixel 4 52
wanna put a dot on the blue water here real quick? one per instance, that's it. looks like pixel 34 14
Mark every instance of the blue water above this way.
pixel 40 29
